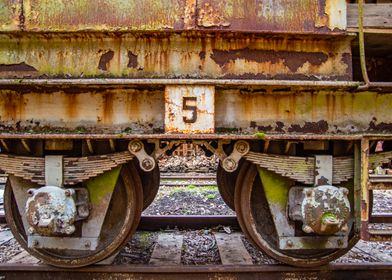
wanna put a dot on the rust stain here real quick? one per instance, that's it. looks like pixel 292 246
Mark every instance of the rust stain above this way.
pixel 104 61
pixel 108 100
pixel 19 67
pixel 132 62
pixel 293 60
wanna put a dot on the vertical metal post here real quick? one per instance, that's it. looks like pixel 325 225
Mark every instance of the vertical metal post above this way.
pixel 364 189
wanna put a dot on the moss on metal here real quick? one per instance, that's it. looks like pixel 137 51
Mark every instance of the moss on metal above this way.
pixel 276 187
pixel 101 186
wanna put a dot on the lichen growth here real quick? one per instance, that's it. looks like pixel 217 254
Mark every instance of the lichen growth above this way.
pixel 276 187
pixel 102 185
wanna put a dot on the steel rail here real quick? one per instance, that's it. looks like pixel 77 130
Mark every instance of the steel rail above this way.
pixel 332 271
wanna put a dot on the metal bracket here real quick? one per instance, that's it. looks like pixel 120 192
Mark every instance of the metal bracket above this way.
pixel 147 163
pixel 323 170
pixel 313 242
pixel 219 152
pixel 62 243
pixel 54 171
pixel 230 163
pixel 158 151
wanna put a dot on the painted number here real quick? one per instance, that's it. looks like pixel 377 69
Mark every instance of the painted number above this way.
pixel 192 108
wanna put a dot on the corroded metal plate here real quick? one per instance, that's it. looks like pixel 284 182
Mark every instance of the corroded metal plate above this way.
pixel 190 109
pixel 300 16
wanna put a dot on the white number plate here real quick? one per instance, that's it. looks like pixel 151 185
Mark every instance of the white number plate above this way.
pixel 190 109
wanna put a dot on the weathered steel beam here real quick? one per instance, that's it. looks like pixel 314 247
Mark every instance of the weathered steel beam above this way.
pixel 246 112
pixel 109 82
pixel 220 56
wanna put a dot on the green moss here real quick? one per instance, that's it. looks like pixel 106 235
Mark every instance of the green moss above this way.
pixel 102 185
pixel 276 187
pixel 327 216
pixel 260 135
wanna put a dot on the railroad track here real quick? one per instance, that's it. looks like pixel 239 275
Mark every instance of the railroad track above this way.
pixel 184 179
pixel 334 271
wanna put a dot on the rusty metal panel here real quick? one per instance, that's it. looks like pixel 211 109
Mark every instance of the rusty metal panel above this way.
pixel 190 109
pixel 301 16
pixel 140 111
pixel 176 56
pixel 317 112
pixel 273 15
pixel 9 15
pixel 104 15
pixel 116 111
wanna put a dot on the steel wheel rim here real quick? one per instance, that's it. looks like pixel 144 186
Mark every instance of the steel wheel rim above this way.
pixel 130 222
pixel 249 225
pixel 226 182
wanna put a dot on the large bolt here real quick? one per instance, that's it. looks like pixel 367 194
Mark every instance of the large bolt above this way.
pixel 147 164
pixel 135 146
pixel 344 191
pixel 307 229
pixel 289 243
pixel 242 147
pixel 69 229
pixel 68 193
pixel 229 164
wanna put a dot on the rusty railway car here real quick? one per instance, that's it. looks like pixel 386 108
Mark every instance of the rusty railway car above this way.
pixel 293 96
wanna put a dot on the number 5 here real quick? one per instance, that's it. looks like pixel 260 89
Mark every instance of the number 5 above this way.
pixel 192 108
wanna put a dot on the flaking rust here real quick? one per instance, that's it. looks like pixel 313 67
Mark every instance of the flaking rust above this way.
pixel 299 16
pixel 176 56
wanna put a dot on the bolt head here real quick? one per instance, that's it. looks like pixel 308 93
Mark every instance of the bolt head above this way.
pixel 87 244
pixel 340 242
pixel 229 164
pixel 30 192
pixel 35 243
pixel 289 243
pixel 242 147
pixel 135 146
pixel 147 164
pixel 68 193
pixel 307 229
pixel 69 229
pixel 344 191
pixel 308 192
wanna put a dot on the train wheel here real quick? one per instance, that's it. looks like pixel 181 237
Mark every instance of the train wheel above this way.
pixel 150 183
pixel 257 223
pixel 120 223
pixel 226 183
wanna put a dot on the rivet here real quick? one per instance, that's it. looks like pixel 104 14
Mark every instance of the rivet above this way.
pixel 135 146
pixel 35 243
pixel 30 192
